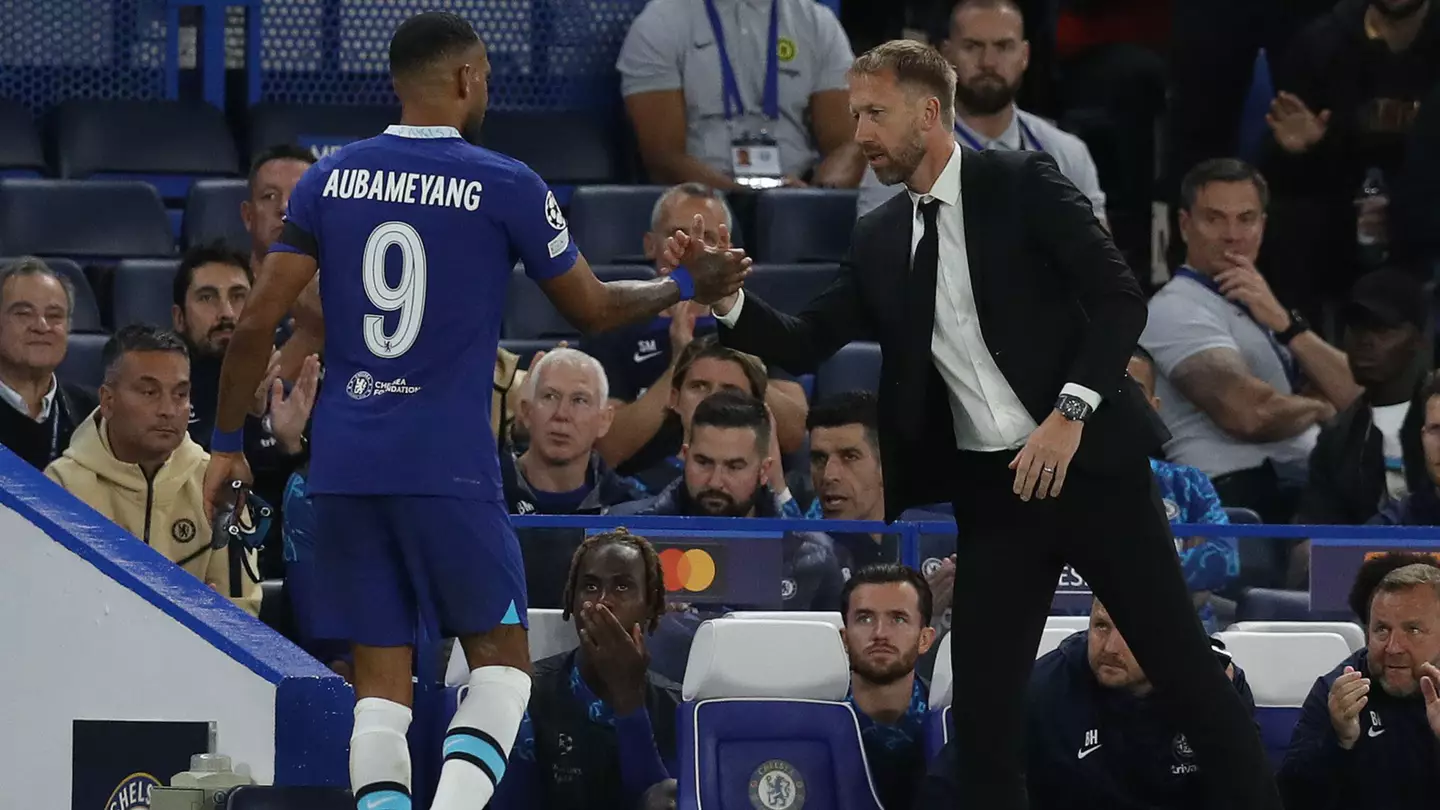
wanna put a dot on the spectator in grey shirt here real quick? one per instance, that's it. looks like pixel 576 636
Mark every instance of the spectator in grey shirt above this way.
pixel 672 70
pixel 1232 358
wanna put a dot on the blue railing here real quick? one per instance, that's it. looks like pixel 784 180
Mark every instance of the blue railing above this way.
pixel 910 531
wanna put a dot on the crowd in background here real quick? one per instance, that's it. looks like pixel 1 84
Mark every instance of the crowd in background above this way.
pixel 1289 351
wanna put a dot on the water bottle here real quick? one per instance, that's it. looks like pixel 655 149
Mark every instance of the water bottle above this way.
pixel 1373 195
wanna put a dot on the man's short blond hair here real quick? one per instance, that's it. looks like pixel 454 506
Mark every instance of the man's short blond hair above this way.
pixel 916 67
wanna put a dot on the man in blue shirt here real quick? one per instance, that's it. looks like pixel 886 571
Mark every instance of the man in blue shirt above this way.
pixel 887 611
pixel 421 231
pixel 1210 563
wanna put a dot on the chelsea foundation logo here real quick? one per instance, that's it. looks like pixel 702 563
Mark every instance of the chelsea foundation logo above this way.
pixel 776 785
pixel 133 793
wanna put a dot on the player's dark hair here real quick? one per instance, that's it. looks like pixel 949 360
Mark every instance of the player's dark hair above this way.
pixel 729 408
pixel 200 255
pixel 1221 170
pixel 428 38
pixel 139 337
pixel 707 346
pixel 1373 571
pixel 284 151
pixel 884 574
pixel 654 574
pixel 847 408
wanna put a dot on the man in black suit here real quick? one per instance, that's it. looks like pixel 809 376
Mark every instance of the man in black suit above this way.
pixel 1006 318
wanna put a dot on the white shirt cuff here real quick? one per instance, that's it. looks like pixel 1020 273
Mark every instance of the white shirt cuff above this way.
pixel 1090 397
pixel 729 318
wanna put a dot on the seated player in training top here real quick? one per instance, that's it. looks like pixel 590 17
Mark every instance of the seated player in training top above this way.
pixel 600 720
pixel 418 231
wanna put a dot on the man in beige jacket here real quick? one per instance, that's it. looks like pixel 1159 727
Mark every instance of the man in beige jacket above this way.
pixel 134 462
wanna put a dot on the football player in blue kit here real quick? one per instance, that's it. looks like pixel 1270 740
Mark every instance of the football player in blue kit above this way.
pixel 418 231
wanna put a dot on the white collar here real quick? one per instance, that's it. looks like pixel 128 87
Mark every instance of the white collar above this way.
pixel 947 185
pixel 14 400
pixel 406 131
pixel 1011 138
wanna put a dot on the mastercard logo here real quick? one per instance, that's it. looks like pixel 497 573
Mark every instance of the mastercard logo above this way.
pixel 691 570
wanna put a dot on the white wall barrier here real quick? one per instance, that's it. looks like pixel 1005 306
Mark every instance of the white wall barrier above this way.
pixel 95 625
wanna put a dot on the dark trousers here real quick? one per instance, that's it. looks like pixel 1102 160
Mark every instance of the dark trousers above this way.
pixel 1113 530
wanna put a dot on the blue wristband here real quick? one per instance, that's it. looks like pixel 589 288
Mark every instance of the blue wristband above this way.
pixel 232 441
pixel 682 279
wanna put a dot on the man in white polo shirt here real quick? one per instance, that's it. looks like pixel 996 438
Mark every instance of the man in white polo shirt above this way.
pixel 1244 383
pixel 986 43
pixel 747 93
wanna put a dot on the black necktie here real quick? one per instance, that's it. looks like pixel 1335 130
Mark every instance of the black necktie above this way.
pixel 924 271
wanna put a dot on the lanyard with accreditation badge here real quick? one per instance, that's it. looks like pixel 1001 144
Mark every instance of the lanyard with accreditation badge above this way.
pixel 1025 132
pixel 752 157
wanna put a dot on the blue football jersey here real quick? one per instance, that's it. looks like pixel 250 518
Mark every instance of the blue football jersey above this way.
pixel 416 232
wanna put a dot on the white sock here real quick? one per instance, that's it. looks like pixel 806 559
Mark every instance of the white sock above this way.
pixel 380 756
pixel 481 736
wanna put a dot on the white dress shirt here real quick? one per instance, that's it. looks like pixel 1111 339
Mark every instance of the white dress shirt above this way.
pixel 14 400
pixel 988 414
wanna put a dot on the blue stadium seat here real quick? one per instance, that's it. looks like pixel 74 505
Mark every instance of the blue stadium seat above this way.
pixel 772 731
pixel 266 797
pixel 20 152
pixel 143 292
pixel 83 218
pixel 526 349
pixel 1273 605
pixel 82 364
pixel 86 317
pixel 855 367
pixel 165 143
pixel 562 146
pixel 212 213
pixel 530 315
pixel 790 287
pixel 609 222
pixel 804 225
pixel 320 128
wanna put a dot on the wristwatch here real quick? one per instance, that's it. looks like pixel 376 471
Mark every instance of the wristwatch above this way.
pixel 1298 327
pixel 1073 408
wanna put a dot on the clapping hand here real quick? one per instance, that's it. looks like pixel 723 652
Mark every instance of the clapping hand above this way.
pixel 619 656
pixel 1348 695
pixel 718 270
pixel 289 414
pixel 1296 128
pixel 1430 688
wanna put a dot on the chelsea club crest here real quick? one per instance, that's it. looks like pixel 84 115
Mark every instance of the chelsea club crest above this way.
pixel 133 793
pixel 777 785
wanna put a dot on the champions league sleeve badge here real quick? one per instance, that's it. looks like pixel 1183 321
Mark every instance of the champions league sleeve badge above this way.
pixel 777 785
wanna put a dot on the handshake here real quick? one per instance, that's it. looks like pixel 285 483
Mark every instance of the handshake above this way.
pixel 712 273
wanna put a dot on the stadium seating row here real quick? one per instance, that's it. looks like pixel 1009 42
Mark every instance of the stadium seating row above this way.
pixel 736 715
pixel 173 143
pixel 126 217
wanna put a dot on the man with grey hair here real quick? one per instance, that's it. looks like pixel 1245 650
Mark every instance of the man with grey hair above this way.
pixel 566 412
pixel 39 413
pixel 1359 746
pixel 640 359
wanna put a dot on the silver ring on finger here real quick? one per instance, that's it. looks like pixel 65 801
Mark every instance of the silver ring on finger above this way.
pixel 1050 470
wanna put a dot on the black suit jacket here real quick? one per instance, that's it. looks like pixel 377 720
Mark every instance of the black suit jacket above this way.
pixel 1056 301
